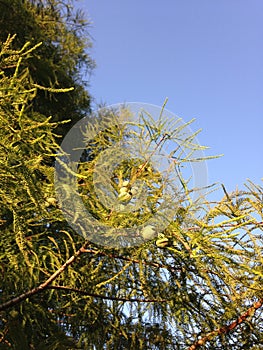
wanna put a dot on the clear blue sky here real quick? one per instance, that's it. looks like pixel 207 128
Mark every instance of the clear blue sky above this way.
pixel 206 56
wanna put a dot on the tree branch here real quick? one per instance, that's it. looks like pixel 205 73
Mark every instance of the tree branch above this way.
pixel 44 285
pixel 229 328
pixel 132 300
pixel 135 261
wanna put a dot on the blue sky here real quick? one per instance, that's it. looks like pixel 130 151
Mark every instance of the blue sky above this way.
pixel 206 56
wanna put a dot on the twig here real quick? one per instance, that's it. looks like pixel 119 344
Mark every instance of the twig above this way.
pixel 229 328
pixel 136 261
pixel 95 295
pixel 44 285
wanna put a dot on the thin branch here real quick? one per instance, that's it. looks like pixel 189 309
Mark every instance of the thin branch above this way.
pixel 8 67
pixel 229 328
pixel 44 285
pixel 132 300
pixel 135 261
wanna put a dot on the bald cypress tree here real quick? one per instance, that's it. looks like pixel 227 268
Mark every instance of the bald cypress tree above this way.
pixel 194 283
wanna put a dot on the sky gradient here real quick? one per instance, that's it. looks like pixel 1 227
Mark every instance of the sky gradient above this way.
pixel 206 56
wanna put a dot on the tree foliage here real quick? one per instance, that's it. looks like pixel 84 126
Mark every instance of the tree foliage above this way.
pixel 61 61
pixel 197 284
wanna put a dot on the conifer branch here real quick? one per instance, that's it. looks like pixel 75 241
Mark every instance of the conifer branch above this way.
pixel 135 261
pixel 227 329
pixel 44 285
pixel 95 295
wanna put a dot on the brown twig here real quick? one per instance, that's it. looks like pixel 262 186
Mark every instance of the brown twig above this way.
pixel 135 261
pixel 146 162
pixel 95 295
pixel 44 285
pixel 229 328
pixel 83 249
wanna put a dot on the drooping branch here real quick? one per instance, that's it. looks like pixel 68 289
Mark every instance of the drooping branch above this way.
pixel 229 328
pixel 95 295
pixel 46 284
pixel 43 286
pixel 135 261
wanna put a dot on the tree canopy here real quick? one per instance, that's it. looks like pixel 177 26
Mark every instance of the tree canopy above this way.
pixel 61 61
pixel 196 284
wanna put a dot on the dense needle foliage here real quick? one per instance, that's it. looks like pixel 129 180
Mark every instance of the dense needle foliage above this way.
pixel 61 61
